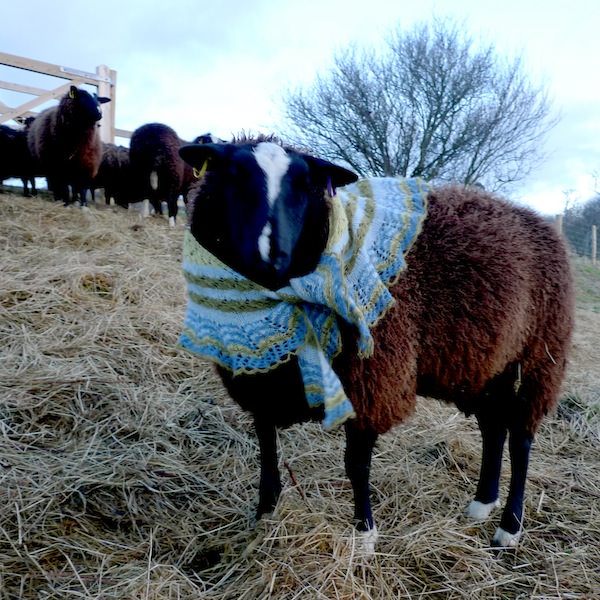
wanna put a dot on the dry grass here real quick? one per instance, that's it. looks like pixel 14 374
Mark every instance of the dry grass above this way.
pixel 125 473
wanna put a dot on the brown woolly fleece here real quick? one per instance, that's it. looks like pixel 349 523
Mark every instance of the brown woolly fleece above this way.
pixel 65 141
pixel 154 147
pixel 483 317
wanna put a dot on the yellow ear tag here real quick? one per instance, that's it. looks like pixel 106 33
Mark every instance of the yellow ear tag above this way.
pixel 198 174
pixel 71 92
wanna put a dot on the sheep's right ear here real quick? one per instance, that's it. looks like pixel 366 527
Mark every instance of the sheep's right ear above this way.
pixel 329 172
pixel 102 99
pixel 196 155
pixel 73 91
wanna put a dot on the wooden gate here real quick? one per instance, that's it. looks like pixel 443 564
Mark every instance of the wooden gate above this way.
pixel 104 79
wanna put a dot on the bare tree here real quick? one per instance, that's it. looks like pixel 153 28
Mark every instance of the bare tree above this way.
pixel 432 104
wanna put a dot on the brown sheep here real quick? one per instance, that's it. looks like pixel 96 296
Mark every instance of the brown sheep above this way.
pixel 65 141
pixel 114 175
pixel 158 173
pixel 482 313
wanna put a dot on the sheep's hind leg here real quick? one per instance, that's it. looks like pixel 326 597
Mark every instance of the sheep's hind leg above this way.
pixel 172 208
pixel 493 437
pixel 359 450
pixel 507 535
pixel 270 482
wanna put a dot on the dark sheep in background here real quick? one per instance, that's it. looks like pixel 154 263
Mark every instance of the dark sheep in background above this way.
pixel 208 138
pixel 483 316
pixel 158 172
pixel 65 140
pixel 15 158
pixel 114 175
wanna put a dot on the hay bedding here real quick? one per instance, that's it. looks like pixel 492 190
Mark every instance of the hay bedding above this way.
pixel 126 473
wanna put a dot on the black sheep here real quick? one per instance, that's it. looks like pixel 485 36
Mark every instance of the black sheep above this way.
pixel 15 158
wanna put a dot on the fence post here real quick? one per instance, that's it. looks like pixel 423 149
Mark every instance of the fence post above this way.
pixel 107 85
pixel 559 223
pixel 594 244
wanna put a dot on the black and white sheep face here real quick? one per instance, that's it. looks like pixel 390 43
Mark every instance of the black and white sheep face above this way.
pixel 255 203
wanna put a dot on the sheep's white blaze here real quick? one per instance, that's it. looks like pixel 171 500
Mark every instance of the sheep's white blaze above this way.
pixel 274 162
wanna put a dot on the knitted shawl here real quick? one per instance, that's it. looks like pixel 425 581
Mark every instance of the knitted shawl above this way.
pixel 247 328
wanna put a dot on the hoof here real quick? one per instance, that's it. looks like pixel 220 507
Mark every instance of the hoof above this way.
pixel 504 539
pixel 478 511
pixel 366 541
pixel 362 543
pixel 171 221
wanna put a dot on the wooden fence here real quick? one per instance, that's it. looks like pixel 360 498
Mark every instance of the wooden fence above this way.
pixel 104 79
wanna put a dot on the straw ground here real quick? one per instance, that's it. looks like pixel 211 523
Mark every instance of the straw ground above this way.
pixel 125 472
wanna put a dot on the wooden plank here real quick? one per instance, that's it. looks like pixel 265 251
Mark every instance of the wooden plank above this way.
pixel 23 89
pixel 50 95
pixel 122 133
pixel 38 66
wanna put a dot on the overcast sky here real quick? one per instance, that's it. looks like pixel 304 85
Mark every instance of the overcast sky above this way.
pixel 222 65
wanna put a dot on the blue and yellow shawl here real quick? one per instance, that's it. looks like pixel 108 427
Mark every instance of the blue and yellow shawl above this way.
pixel 247 328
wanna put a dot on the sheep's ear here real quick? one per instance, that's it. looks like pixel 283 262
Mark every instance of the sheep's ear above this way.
pixel 329 172
pixel 73 92
pixel 102 99
pixel 196 155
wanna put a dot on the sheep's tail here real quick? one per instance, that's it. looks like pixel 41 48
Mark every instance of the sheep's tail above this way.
pixel 154 180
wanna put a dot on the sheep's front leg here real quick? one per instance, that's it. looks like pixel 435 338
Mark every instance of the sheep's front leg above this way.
pixel 493 436
pixel 269 487
pixel 512 516
pixel 359 450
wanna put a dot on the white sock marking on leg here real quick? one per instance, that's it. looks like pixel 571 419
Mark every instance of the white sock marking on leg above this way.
pixel 479 511
pixel 504 539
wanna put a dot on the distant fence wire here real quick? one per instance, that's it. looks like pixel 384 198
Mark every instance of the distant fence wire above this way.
pixel 580 228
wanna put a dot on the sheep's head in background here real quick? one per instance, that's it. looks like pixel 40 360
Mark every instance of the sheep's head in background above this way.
pixel 260 207
pixel 80 108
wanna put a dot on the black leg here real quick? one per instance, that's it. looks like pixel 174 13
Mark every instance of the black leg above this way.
pixel 359 449
pixel 512 516
pixel 172 208
pixel 270 482
pixel 493 436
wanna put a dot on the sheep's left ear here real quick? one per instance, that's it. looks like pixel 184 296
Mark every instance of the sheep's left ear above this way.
pixel 73 91
pixel 102 99
pixel 329 172
pixel 196 155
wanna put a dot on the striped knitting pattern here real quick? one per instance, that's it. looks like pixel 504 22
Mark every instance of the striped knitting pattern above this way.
pixel 247 328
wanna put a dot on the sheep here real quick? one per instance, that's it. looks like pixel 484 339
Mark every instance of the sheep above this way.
pixel 66 142
pixel 114 175
pixel 158 172
pixel 479 313
pixel 16 160
pixel 208 138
